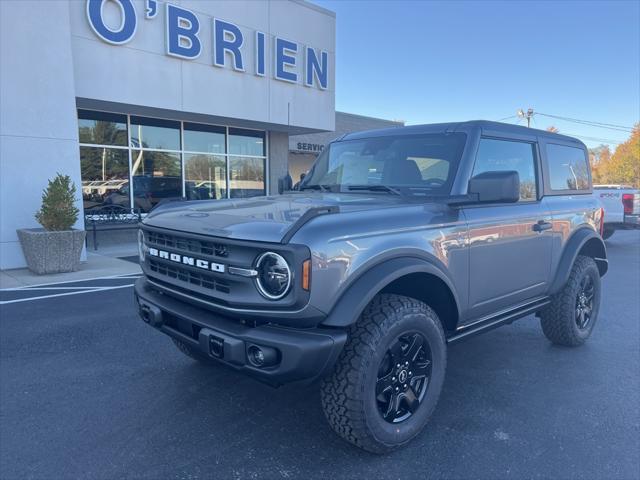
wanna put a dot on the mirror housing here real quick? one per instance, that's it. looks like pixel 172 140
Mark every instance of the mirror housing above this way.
pixel 495 187
pixel 285 183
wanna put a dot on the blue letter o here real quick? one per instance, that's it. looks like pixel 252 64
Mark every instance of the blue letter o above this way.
pixel 127 27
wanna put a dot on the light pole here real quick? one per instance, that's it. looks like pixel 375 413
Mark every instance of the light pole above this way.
pixel 528 115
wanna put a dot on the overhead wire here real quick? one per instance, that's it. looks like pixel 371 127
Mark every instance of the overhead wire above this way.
pixel 610 126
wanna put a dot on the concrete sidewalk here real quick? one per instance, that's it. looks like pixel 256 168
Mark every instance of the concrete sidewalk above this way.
pixel 98 265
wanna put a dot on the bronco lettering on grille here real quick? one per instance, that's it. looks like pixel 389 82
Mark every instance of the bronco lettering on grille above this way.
pixel 185 260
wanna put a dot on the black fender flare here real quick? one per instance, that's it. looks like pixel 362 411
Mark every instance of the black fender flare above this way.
pixel 357 296
pixel 571 250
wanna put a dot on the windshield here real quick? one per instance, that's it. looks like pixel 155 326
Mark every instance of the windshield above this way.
pixel 388 164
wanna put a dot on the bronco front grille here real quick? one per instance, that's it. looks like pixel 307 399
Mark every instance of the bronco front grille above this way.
pixel 192 245
pixel 194 278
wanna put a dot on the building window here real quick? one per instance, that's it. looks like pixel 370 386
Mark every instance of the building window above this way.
pixel 105 176
pixel 246 177
pixel 155 134
pixel 99 128
pixel 164 159
pixel 205 176
pixel 246 142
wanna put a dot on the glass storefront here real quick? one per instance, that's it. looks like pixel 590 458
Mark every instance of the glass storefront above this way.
pixel 137 161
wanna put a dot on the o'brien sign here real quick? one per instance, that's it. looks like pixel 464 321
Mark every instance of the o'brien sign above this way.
pixel 183 40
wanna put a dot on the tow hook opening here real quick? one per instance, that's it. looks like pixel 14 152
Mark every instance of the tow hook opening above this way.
pixel 150 314
pixel 216 346
pixel 145 313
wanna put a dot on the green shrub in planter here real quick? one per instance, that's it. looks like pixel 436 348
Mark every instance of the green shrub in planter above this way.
pixel 58 211
pixel 56 247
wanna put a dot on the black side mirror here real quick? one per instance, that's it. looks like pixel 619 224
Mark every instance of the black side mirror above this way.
pixel 495 187
pixel 285 184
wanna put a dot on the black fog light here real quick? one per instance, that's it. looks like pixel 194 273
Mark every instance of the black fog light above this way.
pixel 262 356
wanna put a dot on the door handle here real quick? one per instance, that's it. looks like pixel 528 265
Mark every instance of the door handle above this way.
pixel 541 226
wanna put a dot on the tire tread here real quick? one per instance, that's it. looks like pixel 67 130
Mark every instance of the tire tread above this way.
pixel 344 412
pixel 557 319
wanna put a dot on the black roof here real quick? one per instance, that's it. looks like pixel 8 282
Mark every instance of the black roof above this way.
pixel 456 126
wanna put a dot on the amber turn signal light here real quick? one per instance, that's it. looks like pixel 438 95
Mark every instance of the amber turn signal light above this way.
pixel 306 274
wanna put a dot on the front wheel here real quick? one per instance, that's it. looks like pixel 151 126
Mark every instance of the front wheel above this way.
pixel 388 378
pixel 570 317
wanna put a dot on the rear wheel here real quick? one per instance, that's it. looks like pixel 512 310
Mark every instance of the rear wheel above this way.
pixel 389 376
pixel 572 314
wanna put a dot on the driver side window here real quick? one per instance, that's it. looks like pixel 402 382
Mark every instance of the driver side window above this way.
pixel 500 155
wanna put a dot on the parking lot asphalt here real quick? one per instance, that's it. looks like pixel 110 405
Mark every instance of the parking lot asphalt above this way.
pixel 89 391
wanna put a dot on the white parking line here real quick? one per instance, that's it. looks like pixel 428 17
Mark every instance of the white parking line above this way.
pixel 128 275
pixel 29 289
pixel 53 295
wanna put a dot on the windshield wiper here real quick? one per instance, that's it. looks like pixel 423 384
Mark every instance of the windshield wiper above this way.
pixel 316 186
pixel 376 188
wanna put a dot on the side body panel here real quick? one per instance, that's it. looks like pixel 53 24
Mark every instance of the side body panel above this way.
pixel 434 233
pixel 569 214
pixel 570 211
pixel 509 262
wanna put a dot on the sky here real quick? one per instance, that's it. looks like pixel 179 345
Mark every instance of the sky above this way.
pixel 433 61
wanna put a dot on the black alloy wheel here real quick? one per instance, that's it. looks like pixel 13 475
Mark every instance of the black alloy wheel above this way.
pixel 572 313
pixel 584 302
pixel 387 380
pixel 403 377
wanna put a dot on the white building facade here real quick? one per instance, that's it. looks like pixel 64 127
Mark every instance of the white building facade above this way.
pixel 142 100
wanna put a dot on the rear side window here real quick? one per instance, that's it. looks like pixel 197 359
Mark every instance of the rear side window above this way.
pixel 567 168
pixel 500 155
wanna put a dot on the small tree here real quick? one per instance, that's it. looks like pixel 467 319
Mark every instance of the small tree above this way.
pixel 58 210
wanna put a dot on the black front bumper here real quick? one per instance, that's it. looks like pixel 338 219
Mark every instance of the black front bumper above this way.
pixel 295 354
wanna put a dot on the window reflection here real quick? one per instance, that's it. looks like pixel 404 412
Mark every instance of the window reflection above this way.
pixel 246 177
pixel 568 169
pixel 155 133
pixel 204 138
pixel 102 128
pixel 501 155
pixel 157 149
pixel 105 176
pixel 246 142
pixel 205 176
pixel 156 176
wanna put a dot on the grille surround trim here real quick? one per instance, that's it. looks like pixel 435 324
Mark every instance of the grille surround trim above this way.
pixel 243 295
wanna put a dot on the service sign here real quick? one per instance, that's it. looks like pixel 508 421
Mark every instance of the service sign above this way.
pixel 183 39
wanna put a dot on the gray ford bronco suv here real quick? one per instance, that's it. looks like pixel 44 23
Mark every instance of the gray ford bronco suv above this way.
pixel 397 243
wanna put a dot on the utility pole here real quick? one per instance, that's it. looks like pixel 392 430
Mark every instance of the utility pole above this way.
pixel 528 115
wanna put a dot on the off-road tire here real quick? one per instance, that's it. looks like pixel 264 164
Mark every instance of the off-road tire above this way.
pixel 191 352
pixel 348 394
pixel 558 319
pixel 607 232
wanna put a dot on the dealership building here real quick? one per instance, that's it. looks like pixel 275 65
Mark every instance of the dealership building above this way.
pixel 140 100
pixel 305 148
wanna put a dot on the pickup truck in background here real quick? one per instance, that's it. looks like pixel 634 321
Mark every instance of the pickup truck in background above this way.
pixel 621 207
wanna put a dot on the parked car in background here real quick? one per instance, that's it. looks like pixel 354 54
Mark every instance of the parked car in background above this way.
pixel 621 205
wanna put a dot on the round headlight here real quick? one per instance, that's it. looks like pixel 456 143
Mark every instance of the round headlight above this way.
pixel 274 276
pixel 141 245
